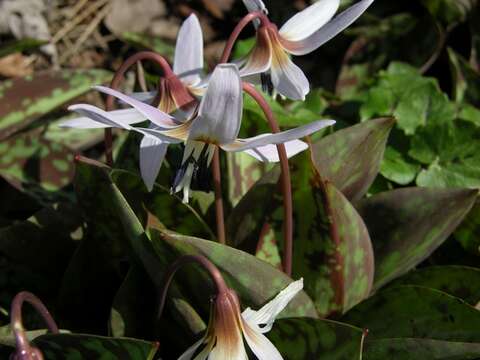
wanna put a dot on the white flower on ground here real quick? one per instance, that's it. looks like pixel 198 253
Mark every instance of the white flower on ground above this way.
pixel 303 33
pixel 223 339
pixel 216 122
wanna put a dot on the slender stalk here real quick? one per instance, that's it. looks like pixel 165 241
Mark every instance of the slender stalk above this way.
pixel 212 270
pixel 238 29
pixel 116 81
pixel 24 351
pixel 285 179
pixel 216 170
pixel 217 186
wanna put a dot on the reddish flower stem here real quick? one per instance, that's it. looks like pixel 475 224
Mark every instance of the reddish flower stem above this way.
pixel 285 179
pixel 212 270
pixel 216 169
pixel 24 351
pixel 116 81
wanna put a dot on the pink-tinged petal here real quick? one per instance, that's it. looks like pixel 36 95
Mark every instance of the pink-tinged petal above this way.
pixel 260 58
pixel 327 32
pixel 152 153
pixel 122 116
pixel 220 113
pixel 263 319
pixel 269 153
pixel 309 20
pixel 287 78
pixel 107 119
pixel 260 345
pixel 156 116
pixel 188 61
pixel 279 138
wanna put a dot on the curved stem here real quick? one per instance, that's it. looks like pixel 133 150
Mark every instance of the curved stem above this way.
pixel 217 186
pixel 238 29
pixel 199 259
pixel 285 179
pixel 24 350
pixel 118 78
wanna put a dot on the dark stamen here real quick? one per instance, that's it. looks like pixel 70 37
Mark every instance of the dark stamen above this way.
pixel 267 85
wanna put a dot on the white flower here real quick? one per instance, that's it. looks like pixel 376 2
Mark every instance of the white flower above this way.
pixel 300 35
pixel 223 339
pixel 216 123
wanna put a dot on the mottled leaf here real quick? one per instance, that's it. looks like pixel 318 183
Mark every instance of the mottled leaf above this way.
pixel 311 339
pixel 350 158
pixel 407 225
pixel 460 281
pixel 79 346
pixel 407 349
pixel 416 312
pixel 26 99
pixel 468 233
pixel 20 45
pixel 255 281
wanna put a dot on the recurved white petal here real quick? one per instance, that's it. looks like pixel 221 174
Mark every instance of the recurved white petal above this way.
pixel 263 318
pixel 260 58
pixel 188 61
pixel 144 96
pixel 279 138
pixel 255 5
pixel 156 116
pixel 309 20
pixel 220 112
pixel 269 153
pixel 98 118
pixel 287 78
pixel 152 153
pixel 188 354
pixel 260 345
pixel 122 116
pixel 329 31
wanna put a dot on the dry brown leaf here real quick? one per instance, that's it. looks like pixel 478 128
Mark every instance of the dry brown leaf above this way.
pixel 16 65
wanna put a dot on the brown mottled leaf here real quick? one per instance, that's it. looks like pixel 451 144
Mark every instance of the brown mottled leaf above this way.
pixel 350 158
pixel 24 100
pixel 407 225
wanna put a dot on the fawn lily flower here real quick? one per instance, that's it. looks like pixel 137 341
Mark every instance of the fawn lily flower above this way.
pixel 227 328
pixel 216 123
pixel 174 92
pixel 303 33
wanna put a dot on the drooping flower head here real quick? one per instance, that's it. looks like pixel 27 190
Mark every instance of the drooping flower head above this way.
pixel 228 327
pixel 303 33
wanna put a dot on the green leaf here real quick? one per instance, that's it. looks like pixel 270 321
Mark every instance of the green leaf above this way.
pixel 449 11
pixel 20 45
pixel 311 339
pixel 468 233
pixel 255 281
pixel 7 338
pixel 350 158
pixel 149 42
pixel 413 100
pixel 466 80
pixel 407 349
pixel 35 165
pixel 416 312
pixel 451 152
pixel 407 225
pixel 460 281
pixel 398 169
pixel 31 97
pixel 79 346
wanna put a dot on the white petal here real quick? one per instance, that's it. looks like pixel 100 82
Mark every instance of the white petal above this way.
pixel 306 22
pixel 255 5
pixel 329 31
pixel 188 62
pixel 259 60
pixel 288 79
pixel 97 115
pixel 269 153
pixel 279 138
pixel 122 116
pixel 156 116
pixel 188 354
pixel 145 96
pixel 260 345
pixel 220 112
pixel 269 312
pixel 152 153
